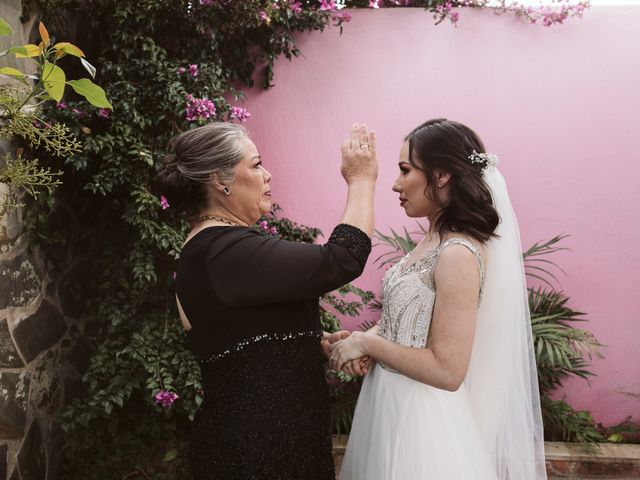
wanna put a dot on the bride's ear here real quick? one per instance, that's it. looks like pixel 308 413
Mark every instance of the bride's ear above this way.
pixel 442 178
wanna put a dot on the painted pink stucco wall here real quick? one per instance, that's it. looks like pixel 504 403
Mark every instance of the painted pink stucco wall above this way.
pixel 560 106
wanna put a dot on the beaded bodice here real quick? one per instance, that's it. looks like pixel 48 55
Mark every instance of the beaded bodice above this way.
pixel 409 293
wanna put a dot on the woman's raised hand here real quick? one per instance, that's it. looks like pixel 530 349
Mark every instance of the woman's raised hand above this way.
pixel 359 160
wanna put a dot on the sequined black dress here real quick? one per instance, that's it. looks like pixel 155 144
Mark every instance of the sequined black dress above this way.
pixel 252 302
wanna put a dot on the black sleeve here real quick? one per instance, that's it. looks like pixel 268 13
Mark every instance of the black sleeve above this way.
pixel 251 269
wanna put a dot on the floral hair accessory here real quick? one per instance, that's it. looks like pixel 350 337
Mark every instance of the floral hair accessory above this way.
pixel 486 160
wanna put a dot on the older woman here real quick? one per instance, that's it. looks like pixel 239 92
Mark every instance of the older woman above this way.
pixel 250 305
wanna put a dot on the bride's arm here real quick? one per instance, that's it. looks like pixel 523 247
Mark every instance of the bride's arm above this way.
pixel 444 363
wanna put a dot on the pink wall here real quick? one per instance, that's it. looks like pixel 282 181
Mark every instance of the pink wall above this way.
pixel 561 107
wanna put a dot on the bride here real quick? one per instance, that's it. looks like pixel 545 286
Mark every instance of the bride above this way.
pixel 451 390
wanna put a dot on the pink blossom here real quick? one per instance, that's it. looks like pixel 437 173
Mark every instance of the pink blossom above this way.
pixel 327 4
pixel 165 398
pixel 61 105
pixel 296 7
pixel 193 70
pixel 454 16
pixel 240 113
pixel 206 3
pixel 264 17
pixel 374 3
pixel 181 69
pixel 199 109
pixel 264 225
pixel 79 113
pixel 273 231
pixel 164 203
pixel 104 112
pixel 174 275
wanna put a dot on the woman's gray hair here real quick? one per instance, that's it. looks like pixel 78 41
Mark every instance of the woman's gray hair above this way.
pixel 212 148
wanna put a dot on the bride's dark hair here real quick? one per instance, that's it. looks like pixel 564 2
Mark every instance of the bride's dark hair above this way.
pixel 446 145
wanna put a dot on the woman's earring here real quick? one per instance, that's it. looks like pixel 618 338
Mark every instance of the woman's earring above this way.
pixel 226 190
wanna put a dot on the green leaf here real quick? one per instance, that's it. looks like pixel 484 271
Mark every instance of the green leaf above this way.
pixel 69 48
pixel 12 72
pixel 170 455
pixel 5 28
pixel 93 93
pixel 54 79
pixel 26 51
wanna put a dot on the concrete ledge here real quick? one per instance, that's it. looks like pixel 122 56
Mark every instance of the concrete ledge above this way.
pixel 566 461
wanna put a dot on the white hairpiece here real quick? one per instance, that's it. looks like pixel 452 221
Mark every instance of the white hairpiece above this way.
pixel 488 160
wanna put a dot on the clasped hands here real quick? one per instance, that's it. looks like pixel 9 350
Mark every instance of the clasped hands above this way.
pixel 345 352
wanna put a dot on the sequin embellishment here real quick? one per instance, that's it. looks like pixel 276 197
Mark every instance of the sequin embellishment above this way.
pixel 263 338
pixel 409 295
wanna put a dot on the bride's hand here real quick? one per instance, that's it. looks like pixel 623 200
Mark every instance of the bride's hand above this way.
pixel 346 350
pixel 358 367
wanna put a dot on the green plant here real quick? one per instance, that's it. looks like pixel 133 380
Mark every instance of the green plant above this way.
pixel 20 116
pixel 156 58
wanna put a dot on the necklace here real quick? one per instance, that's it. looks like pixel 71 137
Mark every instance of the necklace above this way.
pixel 219 219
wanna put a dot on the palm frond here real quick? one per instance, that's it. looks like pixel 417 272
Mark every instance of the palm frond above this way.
pixel 531 256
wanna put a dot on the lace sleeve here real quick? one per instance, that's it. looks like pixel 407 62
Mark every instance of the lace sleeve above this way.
pixel 354 240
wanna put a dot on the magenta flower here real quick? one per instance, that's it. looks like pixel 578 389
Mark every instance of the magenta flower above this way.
pixel 104 113
pixel 296 7
pixel 165 398
pixel 374 3
pixel 193 70
pixel 264 17
pixel 327 4
pixel 79 113
pixel 164 203
pixel 206 3
pixel 173 275
pixel 61 105
pixel 240 113
pixel 264 225
pixel 273 231
pixel 199 109
pixel 181 69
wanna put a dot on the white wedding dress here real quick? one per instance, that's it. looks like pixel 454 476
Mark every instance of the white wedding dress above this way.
pixel 404 429
pixel 491 427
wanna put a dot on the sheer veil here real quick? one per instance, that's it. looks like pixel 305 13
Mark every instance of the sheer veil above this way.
pixel 502 378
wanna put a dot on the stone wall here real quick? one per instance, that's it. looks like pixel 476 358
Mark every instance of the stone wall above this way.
pixel 38 343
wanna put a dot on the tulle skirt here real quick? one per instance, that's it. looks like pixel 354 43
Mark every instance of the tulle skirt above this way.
pixel 406 430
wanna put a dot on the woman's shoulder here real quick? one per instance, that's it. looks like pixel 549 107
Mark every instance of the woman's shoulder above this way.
pixel 217 235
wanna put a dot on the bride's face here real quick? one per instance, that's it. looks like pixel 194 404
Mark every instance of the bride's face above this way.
pixel 411 184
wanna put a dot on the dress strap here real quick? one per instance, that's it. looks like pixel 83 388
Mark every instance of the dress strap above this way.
pixel 474 249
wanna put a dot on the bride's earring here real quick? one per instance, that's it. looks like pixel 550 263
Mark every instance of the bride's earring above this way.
pixel 226 190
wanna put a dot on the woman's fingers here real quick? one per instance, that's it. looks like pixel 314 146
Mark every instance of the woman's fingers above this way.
pixel 372 141
pixel 355 136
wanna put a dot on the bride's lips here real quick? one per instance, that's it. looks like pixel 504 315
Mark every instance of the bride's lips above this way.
pixel 402 201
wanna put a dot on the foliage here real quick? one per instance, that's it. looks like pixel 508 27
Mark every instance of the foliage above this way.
pixel 156 59
pixel 20 117
pixel 561 348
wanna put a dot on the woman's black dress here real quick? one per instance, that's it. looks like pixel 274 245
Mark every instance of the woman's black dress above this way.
pixel 252 302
